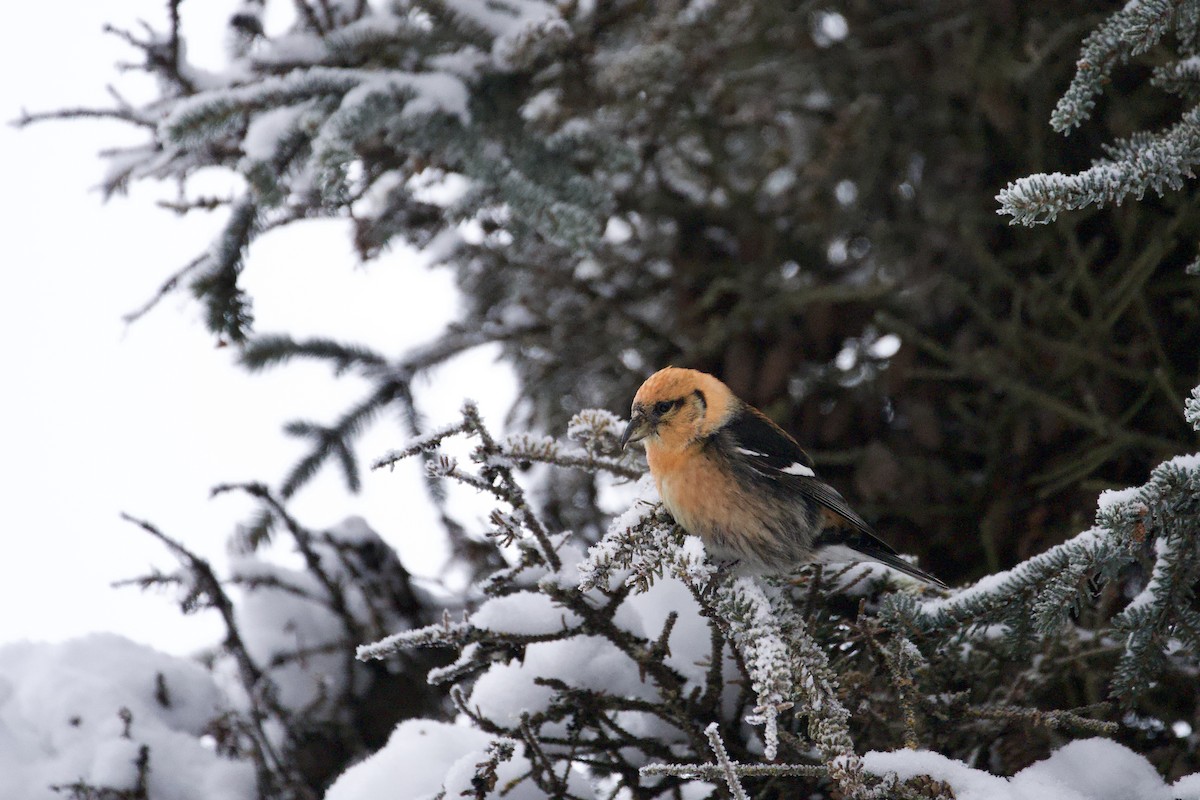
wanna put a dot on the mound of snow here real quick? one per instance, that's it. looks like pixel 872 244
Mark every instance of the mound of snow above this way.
pixel 1088 769
pixel 81 711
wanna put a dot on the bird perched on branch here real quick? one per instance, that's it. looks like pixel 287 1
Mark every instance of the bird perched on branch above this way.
pixel 735 479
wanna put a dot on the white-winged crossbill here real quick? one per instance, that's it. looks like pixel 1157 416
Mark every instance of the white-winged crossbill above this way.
pixel 734 478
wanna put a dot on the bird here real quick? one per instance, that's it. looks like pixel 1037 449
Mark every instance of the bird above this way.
pixel 734 478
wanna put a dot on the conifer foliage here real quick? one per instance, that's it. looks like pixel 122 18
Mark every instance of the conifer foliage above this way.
pixel 800 197
pixel 1159 161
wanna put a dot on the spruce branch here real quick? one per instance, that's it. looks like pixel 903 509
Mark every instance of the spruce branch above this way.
pixel 392 380
pixel 1159 163
pixel 546 450
pixel 902 659
pixel 168 286
pixel 227 306
pixel 1008 596
pixel 1179 77
pixel 425 443
pixel 129 115
pixel 783 662
pixel 444 634
pixel 632 543
pixel 1128 32
pixel 272 350
pixel 505 486
pixel 335 440
pixel 1191 409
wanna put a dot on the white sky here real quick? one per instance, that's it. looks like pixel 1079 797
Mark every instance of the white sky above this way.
pixel 104 418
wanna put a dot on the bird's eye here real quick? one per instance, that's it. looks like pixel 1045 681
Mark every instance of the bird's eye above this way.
pixel 663 407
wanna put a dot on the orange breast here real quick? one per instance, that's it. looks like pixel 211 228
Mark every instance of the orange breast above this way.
pixel 710 504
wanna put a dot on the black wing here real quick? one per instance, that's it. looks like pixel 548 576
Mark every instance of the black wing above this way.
pixel 773 454
pixel 766 445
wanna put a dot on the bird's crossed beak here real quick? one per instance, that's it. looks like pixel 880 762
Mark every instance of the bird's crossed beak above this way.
pixel 637 429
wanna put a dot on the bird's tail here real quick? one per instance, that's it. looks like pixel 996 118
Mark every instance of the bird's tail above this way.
pixel 898 563
pixel 863 547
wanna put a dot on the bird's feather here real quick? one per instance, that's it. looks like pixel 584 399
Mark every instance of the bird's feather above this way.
pixel 831 546
pixel 775 455
pixel 764 443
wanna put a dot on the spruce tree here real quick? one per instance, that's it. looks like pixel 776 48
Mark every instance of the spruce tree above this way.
pixel 803 200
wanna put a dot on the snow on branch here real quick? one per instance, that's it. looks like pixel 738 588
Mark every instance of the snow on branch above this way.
pixel 998 597
pixel 216 282
pixel 513 619
pixel 717 771
pixel 596 433
pixel 1162 622
pixel 1179 77
pixel 446 633
pixel 1145 162
pixel 207 116
pixel 1191 408
pixel 1161 518
pixel 634 543
pixel 1131 31
pixel 755 630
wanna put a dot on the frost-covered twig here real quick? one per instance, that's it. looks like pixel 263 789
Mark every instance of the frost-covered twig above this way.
pixel 636 541
pixel 546 450
pixel 716 772
pixel 902 660
pixel 1001 596
pixel 728 771
pixel 424 443
pixel 752 625
pixel 1048 719
pixel 507 489
pixel 1159 163
pixel 1128 32
pixel 445 633
pixel 495 473
pixel 732 771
